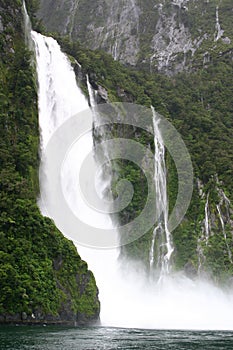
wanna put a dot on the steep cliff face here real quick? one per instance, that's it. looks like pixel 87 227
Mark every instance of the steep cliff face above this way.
pixel 42 277
pixel 164 35
pixel 110 25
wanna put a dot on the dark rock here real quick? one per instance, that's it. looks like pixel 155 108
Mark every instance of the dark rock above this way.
pixel 102 96
pixel 9 318
pixel 24 316
pixel 82 319
pixel 1 25
pixel 57 263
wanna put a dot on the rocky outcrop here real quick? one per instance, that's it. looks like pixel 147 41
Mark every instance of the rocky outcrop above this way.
pixel 78 303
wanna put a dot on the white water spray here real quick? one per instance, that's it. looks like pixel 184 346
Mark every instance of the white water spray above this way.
pixel 128 299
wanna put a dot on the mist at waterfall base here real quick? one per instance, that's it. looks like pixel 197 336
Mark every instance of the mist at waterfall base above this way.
pixel 128 297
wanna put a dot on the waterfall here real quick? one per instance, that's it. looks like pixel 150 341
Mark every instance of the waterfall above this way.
pixel 219 32
pixel 59 96
pixel 224 232
pixel 27 27
pixel 91 93
pixel 223 206
pixel 161 246
pixel 207 226
pixel 206 231
pixel 127 298
pixel 59 99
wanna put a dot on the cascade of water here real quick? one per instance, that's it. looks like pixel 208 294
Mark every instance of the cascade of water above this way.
pixel 91 93
pixel 59 99
pixel 219 31
pixel 207 226
pixel 115 50
pixel 127 300
pixel 162 240
pixel 224 232
pixel 59 96
pixel 206 230
pixel 27 27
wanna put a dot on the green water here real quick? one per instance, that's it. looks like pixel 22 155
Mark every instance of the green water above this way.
pixel 94 338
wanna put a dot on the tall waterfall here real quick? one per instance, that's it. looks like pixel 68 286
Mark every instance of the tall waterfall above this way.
pixel 161 240
pixel 59 98
pixel 127 298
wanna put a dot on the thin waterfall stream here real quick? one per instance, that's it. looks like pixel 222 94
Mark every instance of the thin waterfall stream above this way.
pixel 161 233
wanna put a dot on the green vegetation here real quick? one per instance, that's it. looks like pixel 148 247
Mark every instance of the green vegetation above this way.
pixel 41 272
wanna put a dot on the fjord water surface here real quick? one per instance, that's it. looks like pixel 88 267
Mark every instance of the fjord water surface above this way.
pixel 99 338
